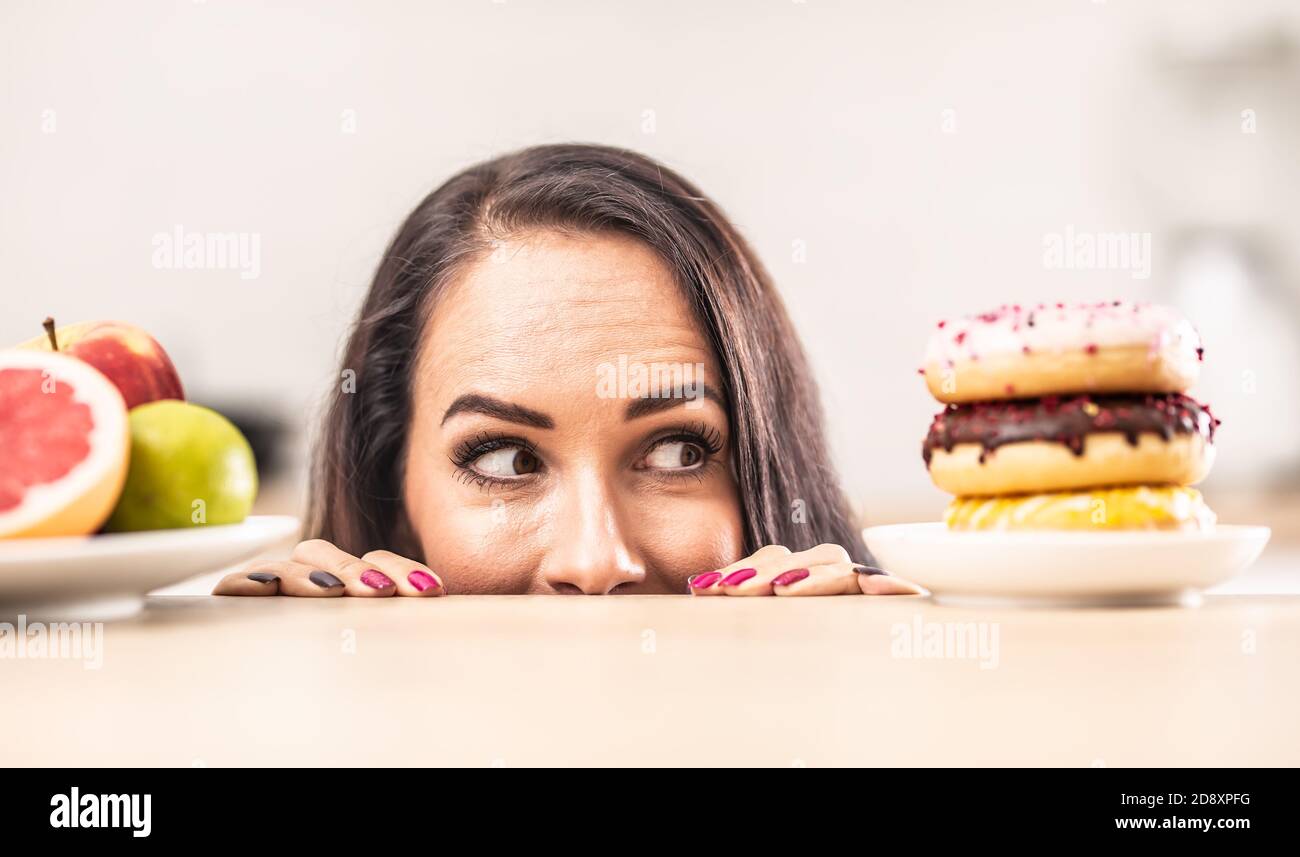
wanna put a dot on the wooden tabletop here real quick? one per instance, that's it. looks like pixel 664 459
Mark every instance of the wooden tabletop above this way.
pixel 665 680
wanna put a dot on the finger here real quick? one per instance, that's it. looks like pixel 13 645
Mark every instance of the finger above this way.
pixel 826 554
pixel 332 568
pixel 840 578
pixel 307 581
pixel 761 559
pixel 875 581
pixel 412 578
pixel 749 581
pixel 708 582
pixel 257 578
pixel 277 578
pixel 704 584
pixel 770 568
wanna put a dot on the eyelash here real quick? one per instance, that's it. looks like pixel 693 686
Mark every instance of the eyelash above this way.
pixel 704 436
pixel 467 452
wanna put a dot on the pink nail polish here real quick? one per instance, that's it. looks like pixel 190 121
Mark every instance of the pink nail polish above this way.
pixel 794 575
pixel 422 580
pixel 376 579
pixel 705 580
pixel 739 576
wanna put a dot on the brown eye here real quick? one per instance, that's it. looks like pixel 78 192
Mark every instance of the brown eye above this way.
pixel 675 455
pixel 506 462
pixel 525 462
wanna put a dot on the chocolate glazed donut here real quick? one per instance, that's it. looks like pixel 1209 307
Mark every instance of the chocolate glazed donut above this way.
pixel 1065 444
pixel 1067 421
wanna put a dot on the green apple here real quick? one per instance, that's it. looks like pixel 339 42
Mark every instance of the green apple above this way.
pixel 189 467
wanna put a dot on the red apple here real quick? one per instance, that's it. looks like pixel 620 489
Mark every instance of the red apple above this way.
pixel 132 359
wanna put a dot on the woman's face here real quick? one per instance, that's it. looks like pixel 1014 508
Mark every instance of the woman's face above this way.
pixel 564 438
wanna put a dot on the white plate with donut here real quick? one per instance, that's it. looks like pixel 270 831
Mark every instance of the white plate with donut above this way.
pixel 1061 568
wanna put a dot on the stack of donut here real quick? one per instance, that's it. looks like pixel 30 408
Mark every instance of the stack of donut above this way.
pixel 1069 417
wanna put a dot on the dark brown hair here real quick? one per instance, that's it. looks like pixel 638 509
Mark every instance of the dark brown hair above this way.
pixel 787 486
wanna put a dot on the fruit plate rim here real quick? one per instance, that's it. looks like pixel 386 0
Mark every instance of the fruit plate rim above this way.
pixel 48 548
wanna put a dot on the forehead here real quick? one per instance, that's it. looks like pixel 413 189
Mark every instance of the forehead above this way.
pixel 551 307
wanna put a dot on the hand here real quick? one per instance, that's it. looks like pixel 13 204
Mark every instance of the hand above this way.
pixel 823 570
pixel 317 569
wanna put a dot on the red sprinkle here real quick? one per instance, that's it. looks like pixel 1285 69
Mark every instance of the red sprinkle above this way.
pixel 960 338
pixel 1091 348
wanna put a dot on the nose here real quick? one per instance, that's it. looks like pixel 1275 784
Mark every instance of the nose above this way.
pixel 589 550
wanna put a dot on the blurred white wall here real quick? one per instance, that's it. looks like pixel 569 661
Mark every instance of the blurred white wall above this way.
pixel 920 151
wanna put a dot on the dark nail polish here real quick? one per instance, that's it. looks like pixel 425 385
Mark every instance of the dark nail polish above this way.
pixel 376 579
pixel 869 569
pixel 794 575
pixel 324 579
pixel 263 577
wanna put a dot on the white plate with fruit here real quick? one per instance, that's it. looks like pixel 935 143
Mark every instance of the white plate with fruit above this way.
pixel 111 484
pixel 94 578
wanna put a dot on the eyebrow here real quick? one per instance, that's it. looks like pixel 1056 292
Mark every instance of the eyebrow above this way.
pixel 667 400
pixel 478 403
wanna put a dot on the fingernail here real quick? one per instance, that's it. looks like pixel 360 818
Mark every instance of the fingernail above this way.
pixel 376 579
pixel 422 580
pixel 263 577
pixel 794 575
pixel 739 576
pixel 705 580
pixel 869 569
pixel 324 579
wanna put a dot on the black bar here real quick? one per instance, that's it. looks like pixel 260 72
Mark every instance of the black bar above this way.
pixel 304 806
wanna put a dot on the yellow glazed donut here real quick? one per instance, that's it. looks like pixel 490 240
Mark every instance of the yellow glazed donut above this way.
pixel 1055 444
pixel 1137 508
pixel 1058 349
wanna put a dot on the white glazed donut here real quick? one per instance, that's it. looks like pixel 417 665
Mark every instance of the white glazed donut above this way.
pixel 1058 349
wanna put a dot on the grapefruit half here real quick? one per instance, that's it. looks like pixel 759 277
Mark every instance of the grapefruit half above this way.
pixel 64 445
